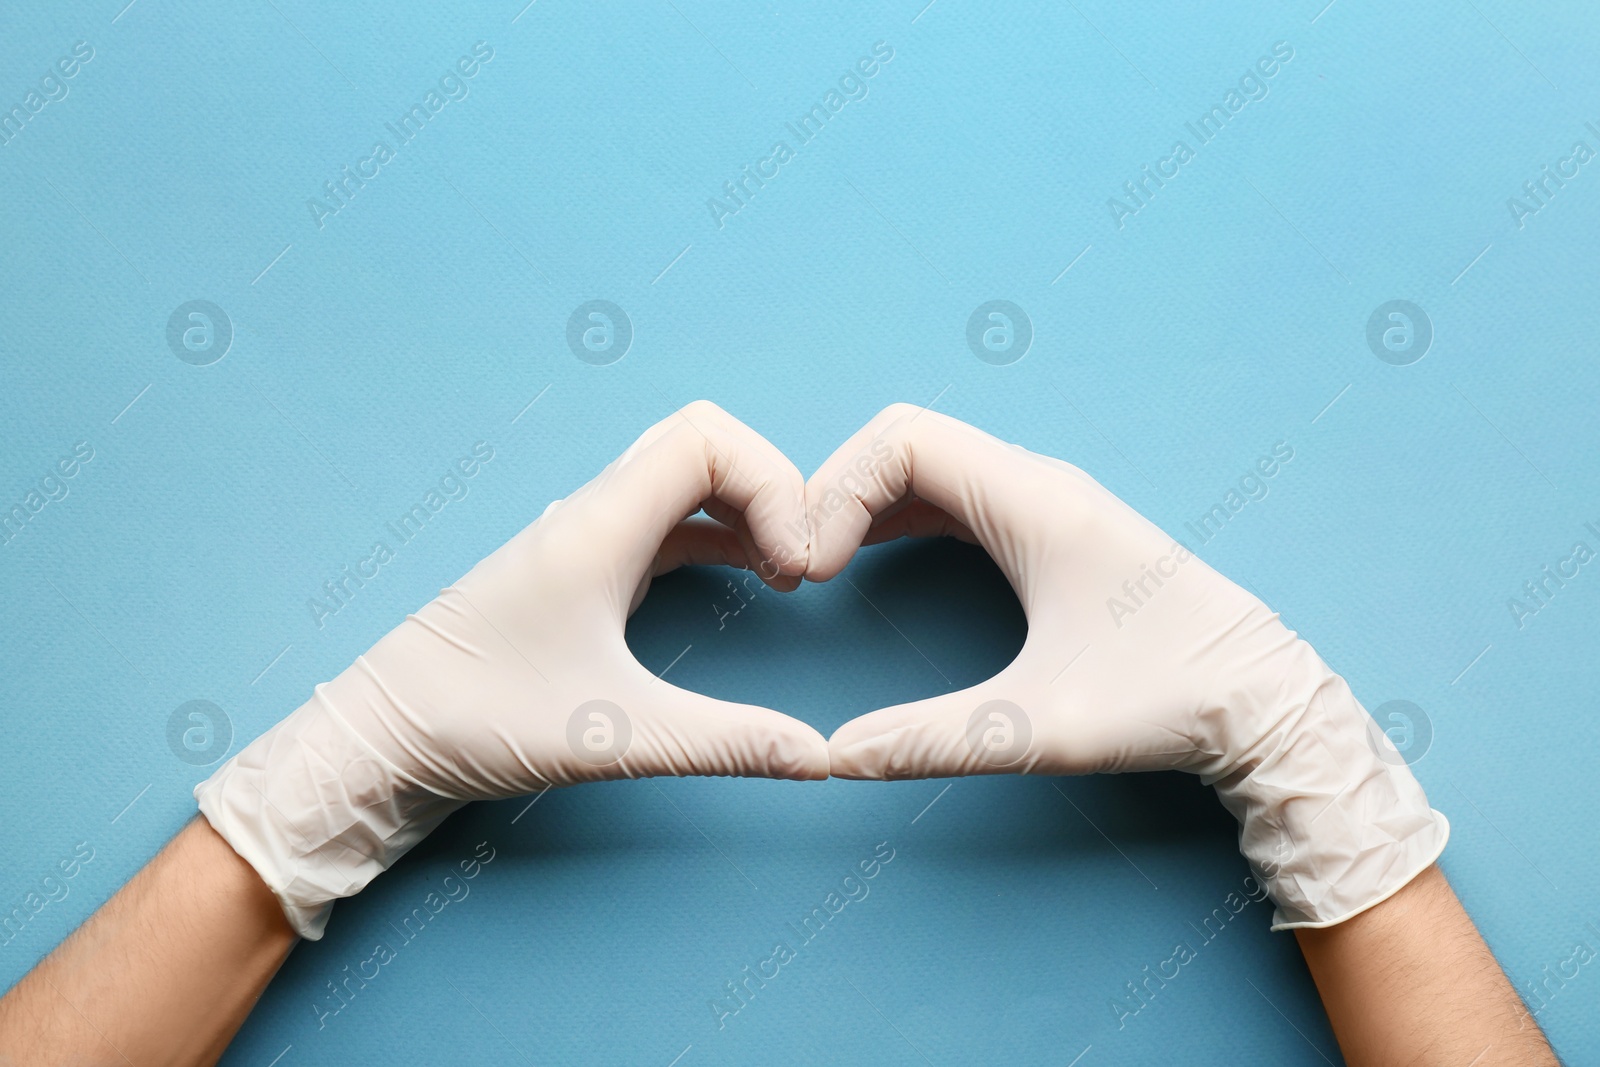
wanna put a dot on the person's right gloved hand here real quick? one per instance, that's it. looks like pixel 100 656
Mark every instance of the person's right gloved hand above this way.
pixel 1138 657
pixel 517 677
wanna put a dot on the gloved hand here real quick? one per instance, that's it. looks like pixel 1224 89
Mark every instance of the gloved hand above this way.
pixel 517 677
pixel 1138 657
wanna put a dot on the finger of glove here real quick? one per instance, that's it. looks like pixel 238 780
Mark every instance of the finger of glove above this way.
pixel 917 518
pixel 983 730
pixel 661 730
pixel 697 542
pixel 997 491
pixel 693 542
pixel 699 452
pixel 973 731
pixel 721 512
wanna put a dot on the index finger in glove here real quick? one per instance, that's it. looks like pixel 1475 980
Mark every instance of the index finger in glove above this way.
pixel 698 453
pixel 993 489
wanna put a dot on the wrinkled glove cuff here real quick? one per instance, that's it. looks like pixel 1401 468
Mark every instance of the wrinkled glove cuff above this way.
pixel 317 812
pixel 1330 819
pixel 1404 864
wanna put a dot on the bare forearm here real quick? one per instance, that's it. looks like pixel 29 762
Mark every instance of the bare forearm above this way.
pixel 165 972
pixel 1411 982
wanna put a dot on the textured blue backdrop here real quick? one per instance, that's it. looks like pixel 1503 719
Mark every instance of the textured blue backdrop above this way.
pixel 372 315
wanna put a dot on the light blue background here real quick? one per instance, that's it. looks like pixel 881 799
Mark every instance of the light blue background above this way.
pixel 1224 317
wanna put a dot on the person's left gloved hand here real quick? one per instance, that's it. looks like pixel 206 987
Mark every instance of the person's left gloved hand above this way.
pixel 517 678
pixel 1139 657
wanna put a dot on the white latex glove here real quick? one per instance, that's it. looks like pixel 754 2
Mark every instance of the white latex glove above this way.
pixel 517 677
pixel 1196 675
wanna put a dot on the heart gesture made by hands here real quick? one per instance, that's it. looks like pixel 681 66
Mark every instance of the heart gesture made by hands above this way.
pixel 1138 657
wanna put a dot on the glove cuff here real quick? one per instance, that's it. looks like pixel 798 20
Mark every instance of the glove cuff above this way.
pixel 1419 859
pixel 317 812
pixel 1330 816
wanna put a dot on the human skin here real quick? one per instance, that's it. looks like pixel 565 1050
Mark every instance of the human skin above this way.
pixel 1412 982
pixel 164 973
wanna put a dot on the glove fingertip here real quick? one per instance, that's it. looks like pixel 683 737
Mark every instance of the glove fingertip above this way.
pixel 796 753
pixel 868 757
